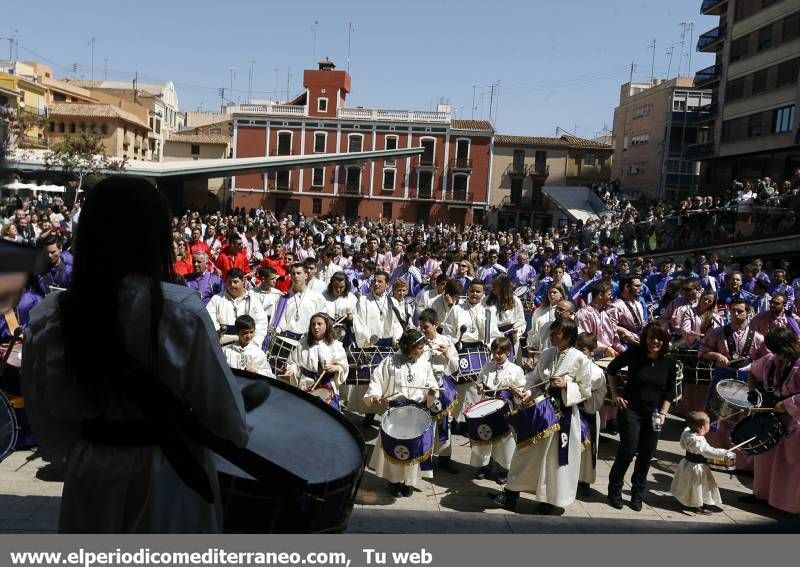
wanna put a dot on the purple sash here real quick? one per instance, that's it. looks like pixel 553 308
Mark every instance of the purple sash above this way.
pixel 335 400
pixel 589 433
pixel 448 396
pixel 279 309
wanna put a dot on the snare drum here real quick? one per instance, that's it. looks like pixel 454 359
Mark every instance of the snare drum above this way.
pixel 471 358
pixel 364 361
pixel 9 430
pixel 486 421
pixel 534 421
pixel 280 347
pixel 526 295
pixel 407 435
pixel 725 465
pixel 767 428
pixel 316 444
pixel 729 397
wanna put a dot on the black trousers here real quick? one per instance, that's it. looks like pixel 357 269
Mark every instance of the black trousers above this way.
pixel 636 439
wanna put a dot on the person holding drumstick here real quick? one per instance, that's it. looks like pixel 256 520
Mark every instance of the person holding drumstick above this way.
pixel 643 403
pixel 319 361
pixel 550 468
pixel 777 375
pixel 406 377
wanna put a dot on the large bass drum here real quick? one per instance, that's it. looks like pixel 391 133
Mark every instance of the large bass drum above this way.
pixel 300 433
pixel 9 430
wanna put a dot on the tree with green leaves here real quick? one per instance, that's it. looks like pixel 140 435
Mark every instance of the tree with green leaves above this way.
pixel 82 155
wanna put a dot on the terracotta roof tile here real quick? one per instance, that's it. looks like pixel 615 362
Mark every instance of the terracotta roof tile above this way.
pixel 481 125
pixel 506 140
pixel 575 142
pixel 91 110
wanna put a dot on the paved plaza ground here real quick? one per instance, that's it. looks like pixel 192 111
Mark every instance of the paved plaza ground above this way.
pixel 30 491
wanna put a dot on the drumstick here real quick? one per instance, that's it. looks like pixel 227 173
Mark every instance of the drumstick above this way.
pixel 424 388
pixel 314 387
pixel 720 420
pixel 743 443
pixel 760 410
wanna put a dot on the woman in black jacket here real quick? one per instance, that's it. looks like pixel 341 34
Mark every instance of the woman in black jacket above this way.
pixel 643 404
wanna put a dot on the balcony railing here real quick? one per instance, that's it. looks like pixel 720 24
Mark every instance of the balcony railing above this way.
pixel 270 109
pixel 426 194
pixel 711 38
pixel 539 170
pixel 461 163
pixel 462 196
pixel 31 142
pixel 393 115
pixel 517 170
pixel 352 190
pixel 426 161
pixel 282 185
pixel 707 76
pixel 712 7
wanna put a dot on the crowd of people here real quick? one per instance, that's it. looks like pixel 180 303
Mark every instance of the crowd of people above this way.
pixel 558 333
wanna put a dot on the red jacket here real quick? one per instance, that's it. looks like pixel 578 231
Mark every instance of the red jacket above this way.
pixel 225 263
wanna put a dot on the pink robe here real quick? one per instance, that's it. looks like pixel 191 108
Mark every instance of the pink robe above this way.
pixel 777 471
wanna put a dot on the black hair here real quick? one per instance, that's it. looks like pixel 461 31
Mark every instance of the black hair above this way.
pixel 233 274
pixel 244 323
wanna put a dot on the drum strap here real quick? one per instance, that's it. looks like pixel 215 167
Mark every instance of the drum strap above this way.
pixel 403 321
pixel 731 344
pixel 637 321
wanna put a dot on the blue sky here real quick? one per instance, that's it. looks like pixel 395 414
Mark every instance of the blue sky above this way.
pixel 557 63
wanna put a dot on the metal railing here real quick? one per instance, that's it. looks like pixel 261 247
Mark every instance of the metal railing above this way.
pixel 461 196
pixel 461 163
pixel 393 115
pixel 711 37
pixel 709 5
pixel 707 76
pixel 270 109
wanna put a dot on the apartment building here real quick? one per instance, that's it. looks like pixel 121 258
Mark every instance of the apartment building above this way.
pixel 754 81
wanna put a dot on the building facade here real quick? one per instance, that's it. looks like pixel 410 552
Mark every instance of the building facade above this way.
pixel 448 183
pixel 754 81
pixel 30 99
pixel 654 125
pixel 523 165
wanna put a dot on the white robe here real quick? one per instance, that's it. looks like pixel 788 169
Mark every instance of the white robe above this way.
pixel 314 358
pixel 250 358
pixel 425 299
pixel 300 307
pixel 224 309
pixel 442 365
pixel 268 301
pixel 693 484
pixel 473 318
pixel 340 306
pixel 502 450
pixel 324 272
pixel 592 406
pixel 394 376
pixel 536 468
pixel 514 317
pixel 112 489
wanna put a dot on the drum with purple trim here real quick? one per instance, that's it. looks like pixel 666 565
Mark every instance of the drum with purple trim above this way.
pixel 364 361
pixel 534 421
pixel 526 295
pixel 448 396
pixel 486 421
pixel 407 434
pixel 471 358
pixel 280 347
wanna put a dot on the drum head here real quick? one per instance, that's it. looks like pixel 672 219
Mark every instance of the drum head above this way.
pixel 406 422
pixel 8 428
pixel 521 290
pixel 765 427
pixel 296 431
pixel 734 392
pixel 484 408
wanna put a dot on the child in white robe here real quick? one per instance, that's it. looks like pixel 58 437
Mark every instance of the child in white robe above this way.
pixel 245 354
pixel 497 374
pixel 590 407
pixel 693 484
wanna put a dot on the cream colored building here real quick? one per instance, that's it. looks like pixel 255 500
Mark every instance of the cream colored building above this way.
pixel 523 165
pixel 754 79
pixel 654 125
pixel 123 134
pixel 31 98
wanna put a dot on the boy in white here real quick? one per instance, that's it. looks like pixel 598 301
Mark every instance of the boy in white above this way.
pixel 245 354
pixel 443 358
pixel 587 344
pixel 496 375
pixel 693 484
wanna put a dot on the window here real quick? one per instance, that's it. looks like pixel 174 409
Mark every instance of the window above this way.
pixel 425 184
pixel 729 128
pixel 158 125
pixel 52 127
pixel 519 160
pixel 734 90
pixel 639 140
pixel 791 27
pixel 390 143
pixel 316 206
pixel 319 142
pixel 322 105
pixel 104 129
pixel 353 180
pixel 427 156
pixel 284 143
pixel 739 48
pixel 462 150
pixel 460 187
pixel 760 81
pixel 754 125
pixel 61 127
pixel 783 119
pixel 787 72
pixel 195 149
pixel 387 210
pixel 59 97
pixel 589 158
pixel 355 142
pixel 318 177
pixel 388 179
pixel 765 38
pixel 679 105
